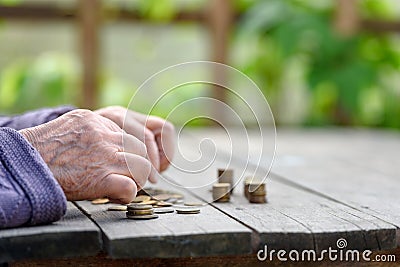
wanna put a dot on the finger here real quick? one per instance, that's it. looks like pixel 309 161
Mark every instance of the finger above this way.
pixel 165 139
pixel 120 188
pixel 133 145
pixel 164 160
pixel 136 167
pixel 137 129
pixel 164 133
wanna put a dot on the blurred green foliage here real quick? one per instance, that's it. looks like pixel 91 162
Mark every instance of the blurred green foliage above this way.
pixel 350 80
pixel 49 80
pixel 346 76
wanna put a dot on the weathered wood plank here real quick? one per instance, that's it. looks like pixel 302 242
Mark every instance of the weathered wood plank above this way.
pixel 355 167
pixel 358 168
pixel 171 235
pixel 293 218
pixel 73 236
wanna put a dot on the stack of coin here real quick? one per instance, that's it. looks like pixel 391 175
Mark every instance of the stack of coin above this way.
pixel 140 212
pixel 246 183
pixel 257 192
pixel 187 210
pixel 226 176
pixel 221 192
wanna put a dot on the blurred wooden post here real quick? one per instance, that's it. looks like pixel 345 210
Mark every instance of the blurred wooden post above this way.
pixel 220 19
pixel 346 20
pixel 89 18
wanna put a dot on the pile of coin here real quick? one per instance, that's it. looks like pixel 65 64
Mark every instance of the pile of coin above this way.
pixel 226 176
pixel 150 202
pixel 221 192
pixel 246 184
pixel 256 192
pixel 140 212
pixel 187 210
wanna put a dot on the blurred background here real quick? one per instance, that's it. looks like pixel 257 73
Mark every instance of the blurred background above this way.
pixel 326 62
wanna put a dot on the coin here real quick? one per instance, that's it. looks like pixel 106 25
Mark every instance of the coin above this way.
pixel 142 192
pixel 141 198
pixel 140 212
pixel 221 192
pixel 257 199
pixel 194 204
pixel 149 202
pixel 163 204
pixel 164 210
pixel 100 201
pixel 162 197
pixel 187 210
pixel 142 217
pixel 118 208
pixel 225 172
pixel 177 196
pixel 140 206
pixel 256 187
pixel 226 176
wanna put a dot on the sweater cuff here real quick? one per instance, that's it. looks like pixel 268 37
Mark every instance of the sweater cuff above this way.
pixel 47 200
pixel 34 118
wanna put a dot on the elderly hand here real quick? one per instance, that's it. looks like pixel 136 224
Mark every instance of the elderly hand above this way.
pixel 86 155
pixel 156 133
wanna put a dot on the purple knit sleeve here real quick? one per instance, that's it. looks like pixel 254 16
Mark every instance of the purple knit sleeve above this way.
pixel 29 194
pixel 34 118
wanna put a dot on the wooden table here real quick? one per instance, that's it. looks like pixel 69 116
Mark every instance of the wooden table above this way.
pixel 324 185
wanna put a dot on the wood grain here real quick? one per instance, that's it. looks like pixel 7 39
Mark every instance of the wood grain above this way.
pixel 171 235
pixel 73 236
pixel 295 217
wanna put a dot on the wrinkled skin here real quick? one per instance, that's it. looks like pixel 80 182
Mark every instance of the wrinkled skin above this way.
pixel 89 156
pixel 156 133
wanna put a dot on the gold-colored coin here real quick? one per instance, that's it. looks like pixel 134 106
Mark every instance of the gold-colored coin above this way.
pixel 163 204
pixel 222 199
pixel 221 192
pixel 176 196
pixel 118 208
pixel 162 197
pixel 140 212
pixel 100 201
pixel 141 198
pixel 139 206
pixel 149 202
pixel 257 199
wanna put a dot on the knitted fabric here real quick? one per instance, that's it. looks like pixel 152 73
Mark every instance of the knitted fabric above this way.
pixel 29 194
pixel 34 118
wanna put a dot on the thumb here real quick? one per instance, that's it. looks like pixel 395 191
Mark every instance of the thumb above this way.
pixel 120 188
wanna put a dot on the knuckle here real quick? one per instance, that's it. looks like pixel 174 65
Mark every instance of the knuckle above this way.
pixel 83 113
